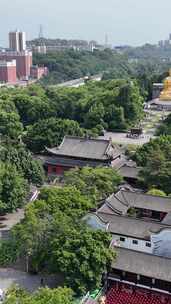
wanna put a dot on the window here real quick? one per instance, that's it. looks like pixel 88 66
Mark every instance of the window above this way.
pixel 122 239
pixel 147 244
pixel 135 242
pixel 54 169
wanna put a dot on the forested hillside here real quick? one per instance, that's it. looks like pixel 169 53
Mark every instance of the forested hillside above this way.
pixel 70 64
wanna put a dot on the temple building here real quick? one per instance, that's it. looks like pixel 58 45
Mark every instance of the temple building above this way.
pixel 80 152
pixel 140 229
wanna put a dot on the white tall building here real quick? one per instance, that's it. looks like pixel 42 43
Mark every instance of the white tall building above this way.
pixel 17 41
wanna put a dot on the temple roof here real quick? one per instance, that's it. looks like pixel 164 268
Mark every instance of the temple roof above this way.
pixel 123 200
pixel 143 264
pixel 70 162
pixel 87 148
pixel 129 171
pixel 131 227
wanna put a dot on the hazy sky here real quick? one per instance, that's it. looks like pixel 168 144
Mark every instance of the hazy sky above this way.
pixel 125 21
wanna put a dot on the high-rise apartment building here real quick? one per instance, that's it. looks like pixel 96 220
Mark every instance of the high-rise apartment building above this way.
pixel 22 41
pixel 17 41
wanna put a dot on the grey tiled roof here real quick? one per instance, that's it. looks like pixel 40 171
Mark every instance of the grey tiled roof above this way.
pixel 131 227
pixel 123 200
pixel 129 171
pixel 89 148
pixel 143 264
pixel 70 162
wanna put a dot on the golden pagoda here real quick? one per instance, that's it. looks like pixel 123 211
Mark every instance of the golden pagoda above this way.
pixel 166 93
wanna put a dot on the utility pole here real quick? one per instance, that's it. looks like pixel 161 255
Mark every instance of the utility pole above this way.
pixel 41 31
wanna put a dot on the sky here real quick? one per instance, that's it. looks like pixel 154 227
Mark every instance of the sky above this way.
pixel 132 22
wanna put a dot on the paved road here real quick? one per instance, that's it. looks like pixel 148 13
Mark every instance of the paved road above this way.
pixel 75 83
pixel 149 125
pixel 10 276
pixel 121 138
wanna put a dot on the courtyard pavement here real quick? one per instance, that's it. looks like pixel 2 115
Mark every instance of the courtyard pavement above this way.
pixel 149 124
pixel 9 276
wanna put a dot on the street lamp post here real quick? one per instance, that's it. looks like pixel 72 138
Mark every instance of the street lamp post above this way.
pixel 27 261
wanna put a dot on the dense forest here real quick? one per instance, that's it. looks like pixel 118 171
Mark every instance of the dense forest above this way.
pixel 149 51
pixel 41 117
pixel 70 64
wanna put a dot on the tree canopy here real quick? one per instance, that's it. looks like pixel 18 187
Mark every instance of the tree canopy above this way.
pixel 165 128
pixel 16 295
pixel 155 157
pixel 13 188
pixel 54 237
pixel 53 229
pixel 50 132
pixel 41 117
pixel 156 192
pixel 96 183
pixel 70 64
pixel 17 155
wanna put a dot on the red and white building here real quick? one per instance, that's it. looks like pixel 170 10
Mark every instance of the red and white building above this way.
pixel 24 69
pixel 8 71
pixel 23 62
pixel 38 72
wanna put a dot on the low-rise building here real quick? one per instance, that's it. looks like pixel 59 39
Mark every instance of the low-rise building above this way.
pixel 80 152
pixel 8 72
pixel 23 62
pixel 140 228
pixel 37 72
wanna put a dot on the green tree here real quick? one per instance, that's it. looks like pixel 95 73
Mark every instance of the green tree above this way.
pixel 46 295
pixel 52 237
pixel 17 155
pixel 158 146
pixel 50 132
pixel 13 188
pixel 157 173
pixel 10 124
pixel 155 158
pixel 82 255
pixel 165 128
pixel 68 200
pixel 96 183
pixel 156 192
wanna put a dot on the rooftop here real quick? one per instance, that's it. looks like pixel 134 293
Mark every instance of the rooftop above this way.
pixel 143 264
pixel 131 227
pixel 89 148
pixel 123 200
pixel 129 171
pixel 69 162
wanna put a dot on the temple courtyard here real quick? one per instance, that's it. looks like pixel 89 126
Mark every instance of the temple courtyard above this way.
pixel 149 124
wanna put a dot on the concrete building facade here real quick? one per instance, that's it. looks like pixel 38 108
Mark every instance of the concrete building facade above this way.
pixel 8 71
pixel 38 72
pixel 17 41
pixel 23 62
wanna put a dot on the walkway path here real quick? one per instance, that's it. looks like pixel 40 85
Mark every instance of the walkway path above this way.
pixel 30 282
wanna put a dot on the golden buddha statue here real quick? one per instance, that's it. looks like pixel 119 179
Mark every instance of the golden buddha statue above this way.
pixel 166 93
